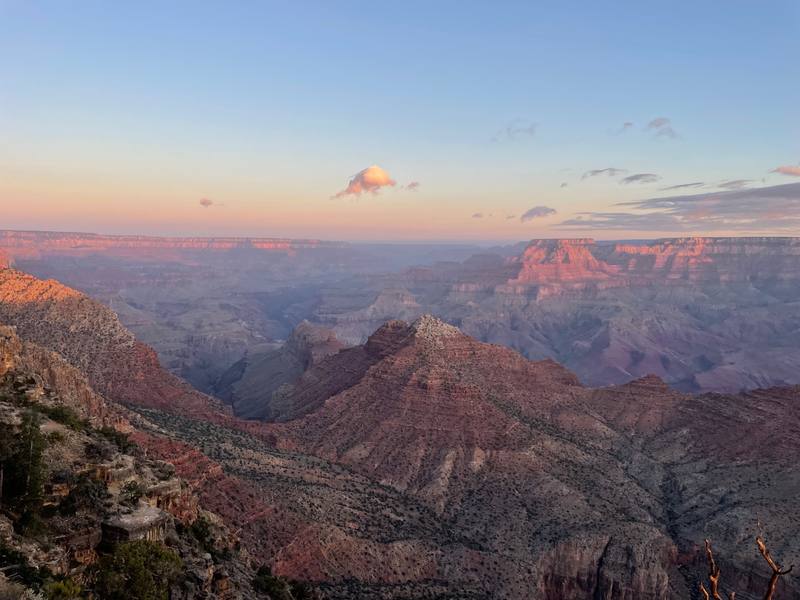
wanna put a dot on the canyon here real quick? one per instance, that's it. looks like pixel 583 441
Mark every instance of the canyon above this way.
pixel 704 314
pixel 205 303
pixel 427 463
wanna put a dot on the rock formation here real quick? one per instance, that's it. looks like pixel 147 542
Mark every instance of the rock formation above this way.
pixel 428 463
pixel 249 384
pixel 582 491
pixel 37 243
pixel 706 314
pixel 93 489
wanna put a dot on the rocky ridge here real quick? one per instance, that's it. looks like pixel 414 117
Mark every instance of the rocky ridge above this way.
pixel 705 314
pixel 428 463
pixel 96 489
pixel 255 377
pixel 535 465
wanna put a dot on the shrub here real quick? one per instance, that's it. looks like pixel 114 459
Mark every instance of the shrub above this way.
pixel 65 589
pixel 15 566
pixel 87 493
pixel 118 438
pixel 65 416
pixel 22 465
pixel 131 492
pixel 278 588
pixel 266 583
pixel 139 570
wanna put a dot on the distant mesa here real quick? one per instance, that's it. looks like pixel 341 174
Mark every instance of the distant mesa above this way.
pixel 27 244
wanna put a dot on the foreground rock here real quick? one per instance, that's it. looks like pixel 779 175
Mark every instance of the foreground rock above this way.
pixel 76 491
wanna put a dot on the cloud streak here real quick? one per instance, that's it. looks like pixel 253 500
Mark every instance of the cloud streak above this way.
pixel 610 171
pixel 735 184
pixel 640 178
pixel 683 186
pixel 537 212
pixel 793 170
pixel 626 126
pixel 206 202
pixel 766 209
pixel 661 127
pixel 517 129
pixel 371 180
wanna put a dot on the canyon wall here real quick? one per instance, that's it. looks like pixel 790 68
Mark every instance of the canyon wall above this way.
pixel 706 314
pixel 31 244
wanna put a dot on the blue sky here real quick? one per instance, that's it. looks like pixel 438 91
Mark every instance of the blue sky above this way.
pixel 122 116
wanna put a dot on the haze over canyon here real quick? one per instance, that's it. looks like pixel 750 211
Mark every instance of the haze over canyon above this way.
pixel 424 462
pixel 704 314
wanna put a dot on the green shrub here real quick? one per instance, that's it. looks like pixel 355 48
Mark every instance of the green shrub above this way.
pixel 201 530
pixel 65 416
pixel 278 588
pixel 118 438
pixel 65 589
pixel 139 570
pixel 22 465
pixel 87 493
pixel 131 493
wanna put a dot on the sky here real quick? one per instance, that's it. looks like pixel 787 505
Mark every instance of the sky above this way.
pixel 435 120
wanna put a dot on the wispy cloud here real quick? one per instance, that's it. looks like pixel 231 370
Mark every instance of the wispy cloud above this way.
pixel 517 129
pixel 640 178
pixel 509 217
pixel 626 126
pixel 206 202
pixel 412 186
pixel 477 215
pixel 563 184
pixel 661 127
pixel 766 209
pixel 735 184
pixel 537 212
pixel 682 186
pixel 610 171
pixel 371 179
pixel 793 170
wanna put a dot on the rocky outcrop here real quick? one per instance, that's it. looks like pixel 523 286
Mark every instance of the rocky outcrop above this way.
pixel 699 259
pixel 711 260
pixel 584 493
pixel 250 383
pixel 90 337
pixel 47 370
pixel 560 261
pixel 95 489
